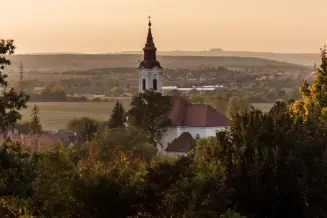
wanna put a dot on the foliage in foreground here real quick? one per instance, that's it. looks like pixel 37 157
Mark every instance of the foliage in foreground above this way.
pixel 11 102
pixel 266 166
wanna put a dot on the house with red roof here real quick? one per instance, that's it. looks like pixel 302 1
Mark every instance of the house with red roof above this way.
pixel 42 142
pixel 188 121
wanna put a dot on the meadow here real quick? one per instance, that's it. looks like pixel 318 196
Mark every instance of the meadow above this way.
pixel 56 115
pixel 265 107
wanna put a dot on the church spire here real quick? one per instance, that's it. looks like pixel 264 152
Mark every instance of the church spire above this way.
pixel 149 39
pixel 150 56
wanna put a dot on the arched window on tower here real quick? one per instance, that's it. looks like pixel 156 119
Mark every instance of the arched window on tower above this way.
pixel 143 84
pixel 155 85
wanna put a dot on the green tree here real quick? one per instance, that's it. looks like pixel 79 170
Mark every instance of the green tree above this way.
pixel 35 125
pixel 149 112
pixel 82 125
pixel 112 172
pixel 11 102
pixel 91 129
pixel 117 118
pixel 267 157
pixel 130 141
pixel 54 184
pixel 17 174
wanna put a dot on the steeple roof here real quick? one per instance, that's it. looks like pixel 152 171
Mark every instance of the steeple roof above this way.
pixel 150 59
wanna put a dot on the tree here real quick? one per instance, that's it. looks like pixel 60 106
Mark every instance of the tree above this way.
pixel 236 104
pixel 56 175
pixel 35 125
pixel 17 173
pixel 117 118
pixel 314 97
pixel 130 141
pixel 149 111
pixel 82 126
pixel 275 165
pixel 91 129
pixel 11 102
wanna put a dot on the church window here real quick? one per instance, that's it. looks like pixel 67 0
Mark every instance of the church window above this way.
pixel 143 84
pixel 155 84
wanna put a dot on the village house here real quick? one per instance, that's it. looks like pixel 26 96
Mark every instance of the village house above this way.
pixel 44 141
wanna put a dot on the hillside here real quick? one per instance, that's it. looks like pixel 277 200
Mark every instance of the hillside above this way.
pixel 307 59
pixel 63 62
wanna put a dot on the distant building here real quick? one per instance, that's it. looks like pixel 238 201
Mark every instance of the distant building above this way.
pixel 100 96
pixel 201 88
pixel 188 120
pixel 38 90
pixel 45 141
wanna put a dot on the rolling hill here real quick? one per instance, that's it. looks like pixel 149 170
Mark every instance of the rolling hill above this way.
pixel 64 62
pixel 307 59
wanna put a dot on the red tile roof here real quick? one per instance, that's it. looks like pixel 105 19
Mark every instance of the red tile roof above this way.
pixel 183 113
pixel 182 144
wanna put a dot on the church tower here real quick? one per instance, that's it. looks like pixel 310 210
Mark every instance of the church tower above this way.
pixel 150 71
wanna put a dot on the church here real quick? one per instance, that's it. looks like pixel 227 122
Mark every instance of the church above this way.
pixel 188 121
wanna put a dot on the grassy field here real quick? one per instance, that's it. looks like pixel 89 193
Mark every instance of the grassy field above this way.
pixel 265 107
pixel 55 115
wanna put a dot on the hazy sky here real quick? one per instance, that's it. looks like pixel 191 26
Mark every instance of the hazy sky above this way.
pixel 101 26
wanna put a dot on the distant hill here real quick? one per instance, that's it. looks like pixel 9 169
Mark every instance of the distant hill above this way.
pixel 296 58
pixel 64 62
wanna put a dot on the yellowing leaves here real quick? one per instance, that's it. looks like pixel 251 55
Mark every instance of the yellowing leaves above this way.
pixel 314 97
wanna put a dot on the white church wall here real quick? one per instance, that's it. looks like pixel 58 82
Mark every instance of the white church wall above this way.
pixel 203 132
pixel 149 75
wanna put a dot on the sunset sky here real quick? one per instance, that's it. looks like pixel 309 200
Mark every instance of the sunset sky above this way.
pixel 103 26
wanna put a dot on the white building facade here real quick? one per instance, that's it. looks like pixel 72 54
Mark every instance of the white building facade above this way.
pixel 150 79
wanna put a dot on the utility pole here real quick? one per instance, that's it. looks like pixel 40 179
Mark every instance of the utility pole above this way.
pixel 21 77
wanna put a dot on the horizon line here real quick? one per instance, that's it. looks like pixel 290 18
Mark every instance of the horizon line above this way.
pixel 140 51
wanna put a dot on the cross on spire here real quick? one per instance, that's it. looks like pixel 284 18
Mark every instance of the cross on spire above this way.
pixel 149 21
pixel 150 60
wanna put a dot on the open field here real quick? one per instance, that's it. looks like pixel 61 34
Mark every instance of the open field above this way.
pixel 265 107
pixel 55 115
